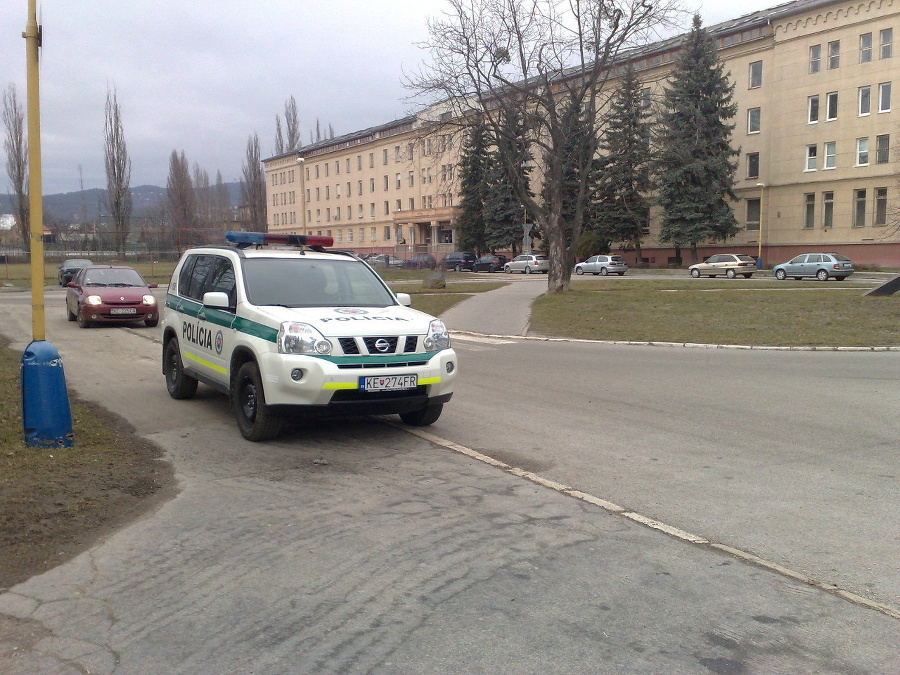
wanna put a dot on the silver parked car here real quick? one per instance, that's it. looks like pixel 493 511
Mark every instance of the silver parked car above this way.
pixel 528 263
pixel 728 264
pixel 602 264
pixel 818 265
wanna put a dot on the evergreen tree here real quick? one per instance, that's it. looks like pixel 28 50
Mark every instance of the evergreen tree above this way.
pixel 621 210
pixel 696 163
pixel 504 214
pixel 473 170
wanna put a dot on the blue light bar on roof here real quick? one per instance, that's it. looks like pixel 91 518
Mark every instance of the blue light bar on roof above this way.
pixel 261 238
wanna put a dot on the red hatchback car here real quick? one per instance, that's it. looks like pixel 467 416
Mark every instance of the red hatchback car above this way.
pixel 110 294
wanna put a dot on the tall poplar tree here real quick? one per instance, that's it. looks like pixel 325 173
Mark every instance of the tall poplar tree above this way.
pixel 696 163
pixel 473 190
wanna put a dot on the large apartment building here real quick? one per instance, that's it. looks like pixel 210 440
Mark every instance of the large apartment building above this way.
pixel 817 130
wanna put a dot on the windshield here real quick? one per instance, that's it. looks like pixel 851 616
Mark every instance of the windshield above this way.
pixel 310 282
pixel 112 277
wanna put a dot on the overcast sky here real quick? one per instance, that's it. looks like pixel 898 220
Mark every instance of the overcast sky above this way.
pixel 202 76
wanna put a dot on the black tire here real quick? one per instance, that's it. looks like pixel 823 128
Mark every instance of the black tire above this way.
pixel 695 274
pixel 731 274
pixel 798 278
pixel 179 385
pixel 70 315
pixel 604 271
pixel 579 271
pixel 781 275
pixel 822 275
pixel 256 420
pixel 82 322
pixel 506 269
pixel 840 278
pixel 151 323
pixel 424 416
pixel 713 276
pixel 747 276
pixel 621 274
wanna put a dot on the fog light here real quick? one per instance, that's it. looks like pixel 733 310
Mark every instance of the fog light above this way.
pixel 450 367
pixel 296 374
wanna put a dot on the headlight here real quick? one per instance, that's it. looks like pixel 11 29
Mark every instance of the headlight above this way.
pixel 93 300
pixel 149 300
pixel 437 337
pixel 301 338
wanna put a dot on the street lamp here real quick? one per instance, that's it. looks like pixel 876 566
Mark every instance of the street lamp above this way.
pixel 300 163
pixel 762 188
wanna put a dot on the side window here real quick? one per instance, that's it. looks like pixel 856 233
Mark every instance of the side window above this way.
pixel 799 259
pixel 222 280
pixel 814 258
pixel 197 279
pixel 184 278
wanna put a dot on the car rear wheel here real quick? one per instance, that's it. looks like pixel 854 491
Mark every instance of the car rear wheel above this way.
pixel 731 274
pixel 424 416
pixel 747 276
pixel 621 274
pixel 822 275
pixel 527 269
pixel 579 270
pixel 179 385
pixel 695 274
pixel 256 420
pixel 781 275
pixel 604 271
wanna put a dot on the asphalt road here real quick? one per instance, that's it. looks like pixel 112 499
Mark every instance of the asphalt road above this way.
pixel 360 547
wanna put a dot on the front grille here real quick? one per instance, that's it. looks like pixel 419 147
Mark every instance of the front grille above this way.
pixel 364 366
pixel 348 345
pixel 405 344
pixel 370 343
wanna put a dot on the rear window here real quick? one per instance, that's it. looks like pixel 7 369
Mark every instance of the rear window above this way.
pixel 617 258
pixel 746 258
pixel 541 257
pixel 839 257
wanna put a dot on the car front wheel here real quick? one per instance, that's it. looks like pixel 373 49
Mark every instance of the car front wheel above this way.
pixel 507 270
pixel 81 319
pixel 730 274
pixel 822 275
pixel 695 274
pixel 178 384
pixel 256 420
pixel 424 416
pixel 527 269
pixel 579 271
pixel 781 275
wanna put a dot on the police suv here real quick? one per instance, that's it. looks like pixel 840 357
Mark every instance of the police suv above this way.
pixel 295 331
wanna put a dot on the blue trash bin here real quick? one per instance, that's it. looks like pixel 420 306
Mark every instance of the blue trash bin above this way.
pixel 759 262
pixel 46 414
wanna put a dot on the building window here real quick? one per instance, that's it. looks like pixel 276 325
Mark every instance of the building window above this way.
pixel 859 208
pixel 348 165
pixel 349 235
pixel 318 194
pixel 412 178
pixel 327 190
pixel 865 47
pixel 756 72
pixel 412 203
pixel 387 208
pixel 827 209
pixel 396 153
pixel 880 206
pixel 359 162
pixel 371 185
pixel 812 106
pixel 753 214
pixel 359 186
pixel 883 149
pixel 387 183
pixel 809 211
pixel 349 188
pixel 830 148
pixel 337 166
pixel 834 55
pixel 753 121
pixel 884 97
pixel 886 37
pixel 865 100
pixel 398 180
pixel 815 58
pixel 362 235
pixel 645 97
pixel 372 210
pixel 831 105
pixel 862 151
pixel 337 190
pixel 337 213
pixel 326 169
pixel 328 215
pixel 387 232
pixel 811 152
pixel 340 236
pixel 384 156
pixel 752 165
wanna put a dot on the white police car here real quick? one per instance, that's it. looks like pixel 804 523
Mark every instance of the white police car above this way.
pixel 300 331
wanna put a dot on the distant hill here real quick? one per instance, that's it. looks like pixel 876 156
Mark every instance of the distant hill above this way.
pixel 69 206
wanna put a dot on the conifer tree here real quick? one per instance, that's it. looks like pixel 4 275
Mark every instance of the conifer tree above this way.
pixel 696 163
pixel 504 214
pixel 473 171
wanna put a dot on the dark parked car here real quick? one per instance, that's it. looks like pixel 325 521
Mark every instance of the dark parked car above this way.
pixel 384 260
pixel 459 261
pixel 420 261
pixel 108 294
pixel 69 269
pixel 489 263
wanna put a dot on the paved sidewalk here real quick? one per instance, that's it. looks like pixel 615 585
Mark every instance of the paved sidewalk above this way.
pixel 504 311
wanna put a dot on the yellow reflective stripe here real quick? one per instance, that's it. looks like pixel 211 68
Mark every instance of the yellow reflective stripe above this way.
pixel 340 385
pixel 204 362
pixel 429 380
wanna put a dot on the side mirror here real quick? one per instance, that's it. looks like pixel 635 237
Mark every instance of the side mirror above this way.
pixel 153 285
pixel 216 300
pixel 404 299
pixel 72 284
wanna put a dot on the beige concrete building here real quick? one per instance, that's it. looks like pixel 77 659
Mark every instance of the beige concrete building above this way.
pixel 817 130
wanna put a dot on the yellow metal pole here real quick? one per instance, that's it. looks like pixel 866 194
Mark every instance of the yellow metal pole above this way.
pixel 32 37
pixel 762 188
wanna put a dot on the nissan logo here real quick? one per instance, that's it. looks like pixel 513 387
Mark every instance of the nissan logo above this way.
pixel 382 345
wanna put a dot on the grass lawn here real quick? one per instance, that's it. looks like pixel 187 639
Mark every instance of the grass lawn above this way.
pixel 745 313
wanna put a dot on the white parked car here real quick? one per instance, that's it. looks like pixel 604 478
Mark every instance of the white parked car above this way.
pixel 528 264
pixel 725 264
pixel 602 264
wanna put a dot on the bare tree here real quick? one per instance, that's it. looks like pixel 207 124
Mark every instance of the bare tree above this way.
pixel 16 147
pixel 279 137
pixel 202 197
pixel 292 125
pixel 118 173
pixel 180 201
pixel 221 202
pixel 534 60
pixel 253 187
